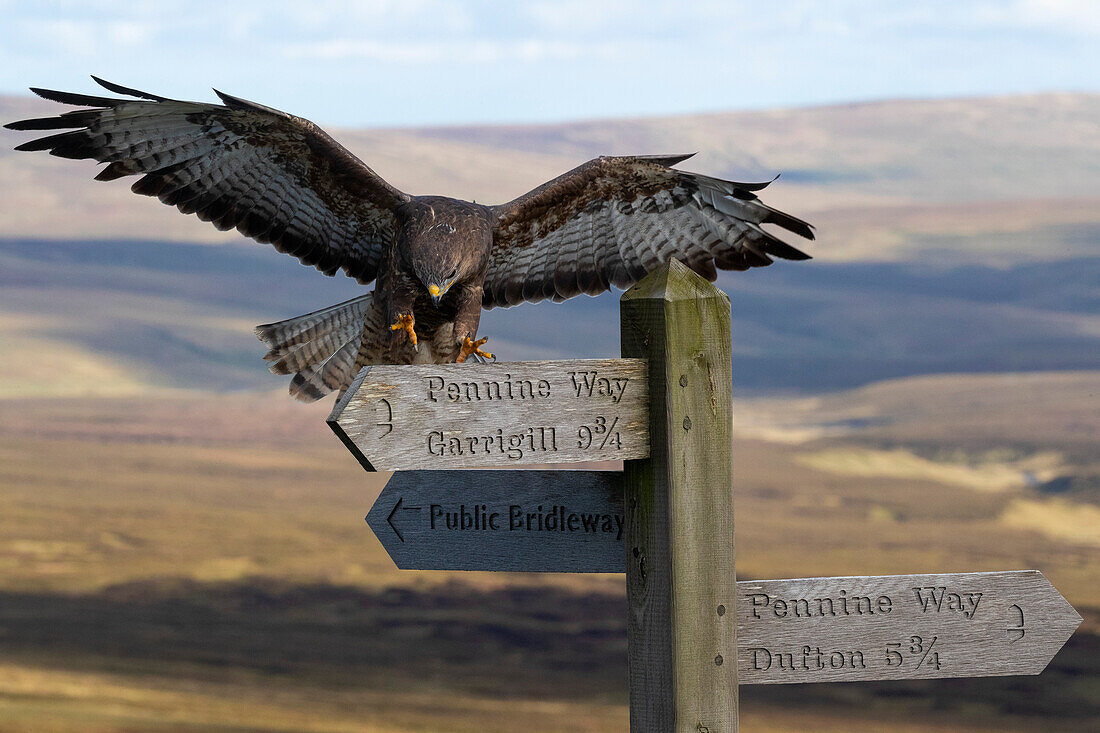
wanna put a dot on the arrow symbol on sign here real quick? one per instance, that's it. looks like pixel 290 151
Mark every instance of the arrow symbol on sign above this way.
pixel 388 423
pixel 1019 628
pixel 389 519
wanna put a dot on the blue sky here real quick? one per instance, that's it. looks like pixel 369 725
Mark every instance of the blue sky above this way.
pixel 438 62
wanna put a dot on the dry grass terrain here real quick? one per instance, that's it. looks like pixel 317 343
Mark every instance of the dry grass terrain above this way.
pixel 1024 412
pixel 196 562
pixel 181 551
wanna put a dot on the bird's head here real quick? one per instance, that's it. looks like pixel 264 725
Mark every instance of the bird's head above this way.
pixel 444 241
pixel 438 278
pixel 435 260
pixel 447 242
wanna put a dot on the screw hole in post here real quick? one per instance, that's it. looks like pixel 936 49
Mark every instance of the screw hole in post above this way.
pixel 683 380
pixel 718 660
pixel 687 423
pixel 721 610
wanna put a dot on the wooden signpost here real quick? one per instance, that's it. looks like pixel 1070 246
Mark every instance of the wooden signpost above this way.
pixel 896 627
pixel 694 632
pixel 468 415
pixel 550 521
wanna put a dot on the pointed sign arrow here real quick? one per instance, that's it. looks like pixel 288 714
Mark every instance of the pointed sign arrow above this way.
pixel 897 627
pixel 440 416
pixel 555 521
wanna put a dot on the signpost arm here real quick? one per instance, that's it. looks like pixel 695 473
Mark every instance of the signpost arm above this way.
pixel 681 585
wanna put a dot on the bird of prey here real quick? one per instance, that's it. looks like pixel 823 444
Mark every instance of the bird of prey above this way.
pixel 437 261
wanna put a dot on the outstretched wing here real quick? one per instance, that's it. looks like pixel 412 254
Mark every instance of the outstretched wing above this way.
pixel 275 177
pixel 614 219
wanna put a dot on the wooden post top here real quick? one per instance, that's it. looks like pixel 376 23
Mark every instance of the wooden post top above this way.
pixel 671 282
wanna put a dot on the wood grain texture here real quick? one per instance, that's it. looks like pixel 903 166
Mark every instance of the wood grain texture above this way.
pixel 525 521
pixel 899 627
pixel 681 586
pixel 440 416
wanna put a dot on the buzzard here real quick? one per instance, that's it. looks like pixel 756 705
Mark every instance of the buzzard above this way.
pixel 437 261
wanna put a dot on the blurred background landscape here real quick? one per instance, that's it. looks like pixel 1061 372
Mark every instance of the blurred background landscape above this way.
pixel 182 546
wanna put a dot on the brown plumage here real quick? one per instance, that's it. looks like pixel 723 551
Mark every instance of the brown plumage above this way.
pixel 437 261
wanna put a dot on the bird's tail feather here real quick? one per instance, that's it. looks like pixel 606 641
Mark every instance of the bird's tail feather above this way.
pixel 319 348
pixel 334 373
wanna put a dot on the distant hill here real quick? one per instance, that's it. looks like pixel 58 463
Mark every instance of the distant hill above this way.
pixel 988 180
pixel 96 316
pixel 954 236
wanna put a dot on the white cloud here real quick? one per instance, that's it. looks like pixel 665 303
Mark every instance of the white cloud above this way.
pixel 471 51
pixel 86 37
pixel 1072 17
pixel 376 18
pixel 76 37
pixel 1069 17
pixel 578 15
pixel 130 33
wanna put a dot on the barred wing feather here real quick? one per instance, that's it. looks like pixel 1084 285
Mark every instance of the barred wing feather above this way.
pixel 276 178
pixel 614 219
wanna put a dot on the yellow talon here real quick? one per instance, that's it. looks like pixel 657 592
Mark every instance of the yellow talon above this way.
pixel 405 323
pixel 469 346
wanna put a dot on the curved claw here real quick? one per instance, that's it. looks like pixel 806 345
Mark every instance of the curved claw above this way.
pixel 405 323
pixel 469 346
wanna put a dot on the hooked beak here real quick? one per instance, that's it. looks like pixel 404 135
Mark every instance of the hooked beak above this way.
pixel 435 292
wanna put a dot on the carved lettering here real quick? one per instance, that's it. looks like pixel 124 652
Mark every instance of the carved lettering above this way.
pixel 442 390
pixel 807 659
pixel 935 599
pixel 542 439
pixel 591 384
pixel 477 518
pixel 764 605
pixel 558 518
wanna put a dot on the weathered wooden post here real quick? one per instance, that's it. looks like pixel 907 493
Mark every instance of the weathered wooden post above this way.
pixel 681 585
